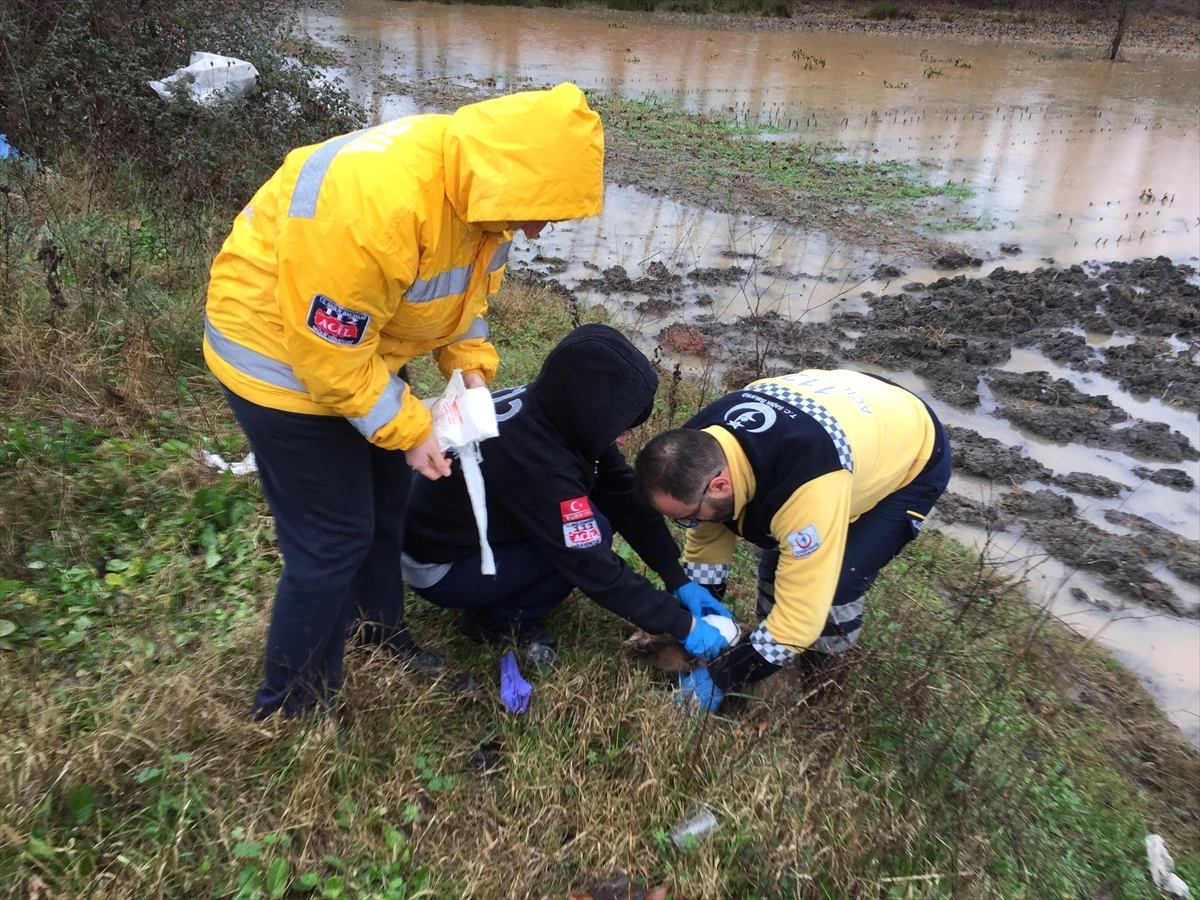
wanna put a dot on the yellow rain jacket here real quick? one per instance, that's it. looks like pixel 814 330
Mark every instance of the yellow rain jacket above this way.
pixel 374 247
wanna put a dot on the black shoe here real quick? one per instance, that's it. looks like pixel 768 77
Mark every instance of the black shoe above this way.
pixel 479 626
pixel 427 663
pixel 422 661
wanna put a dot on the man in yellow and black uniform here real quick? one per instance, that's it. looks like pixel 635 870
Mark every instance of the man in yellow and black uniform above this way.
pixel 830 472
pixel 357 255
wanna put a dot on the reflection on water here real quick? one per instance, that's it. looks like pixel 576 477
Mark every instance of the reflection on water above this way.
pixel 1067 158
pixel 1057 150
pixel 1162 649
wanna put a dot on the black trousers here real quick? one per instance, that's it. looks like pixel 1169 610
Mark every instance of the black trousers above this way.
pixel 873 540
pixel 338 502
pixel 524 588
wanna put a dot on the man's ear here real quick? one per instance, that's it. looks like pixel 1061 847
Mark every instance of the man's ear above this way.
pixel 722 485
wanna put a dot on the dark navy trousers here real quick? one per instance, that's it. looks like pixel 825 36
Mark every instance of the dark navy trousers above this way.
pixel 338 502
pixel 524 587
pixel 873 540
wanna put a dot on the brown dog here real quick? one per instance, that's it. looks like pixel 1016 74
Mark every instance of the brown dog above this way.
pixel 811 672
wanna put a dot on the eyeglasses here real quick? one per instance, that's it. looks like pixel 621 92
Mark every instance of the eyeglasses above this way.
pixel 694 519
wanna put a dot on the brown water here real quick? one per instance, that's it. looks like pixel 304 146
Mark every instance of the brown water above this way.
pixel 1069 158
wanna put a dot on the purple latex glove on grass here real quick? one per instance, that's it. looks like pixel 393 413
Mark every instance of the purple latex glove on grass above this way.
pixel 515 691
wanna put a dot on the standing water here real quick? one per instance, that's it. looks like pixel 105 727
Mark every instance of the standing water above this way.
pixel 1069 159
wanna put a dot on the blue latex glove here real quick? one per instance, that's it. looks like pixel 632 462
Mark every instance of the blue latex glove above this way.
pixel 700 602
pixel 515 691
pixel 704 641
pixel 696 689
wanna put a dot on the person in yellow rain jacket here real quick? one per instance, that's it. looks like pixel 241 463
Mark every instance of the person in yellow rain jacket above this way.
pixel 357 255
pixel 831 472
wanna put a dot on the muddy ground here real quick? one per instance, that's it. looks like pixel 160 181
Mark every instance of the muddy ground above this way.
pixel 958 330
pixel 955 333
pixel 1075 27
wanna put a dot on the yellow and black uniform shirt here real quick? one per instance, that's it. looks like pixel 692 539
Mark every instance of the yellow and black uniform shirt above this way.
pixel 808 454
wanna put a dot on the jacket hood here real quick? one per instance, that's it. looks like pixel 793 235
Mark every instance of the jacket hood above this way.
pixel 594 386
pixel 532 156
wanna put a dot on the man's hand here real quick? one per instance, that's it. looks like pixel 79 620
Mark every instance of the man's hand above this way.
pixel 473 380
pixel 696 690
pixel 700 602
pixel 704 640
pixel 427 459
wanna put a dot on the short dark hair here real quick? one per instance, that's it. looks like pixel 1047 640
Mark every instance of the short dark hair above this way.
pixel 679 463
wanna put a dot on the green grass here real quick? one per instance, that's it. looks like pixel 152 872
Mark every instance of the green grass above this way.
pixel 711 149
pixel 885 11
pixel 977 750
pixel 978 223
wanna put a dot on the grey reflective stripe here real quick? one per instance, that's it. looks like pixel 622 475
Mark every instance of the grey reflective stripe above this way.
pixel 251 362
pixel 500 257
pixel 769 648
pixel 384 410
pixel 706 573
pixel 312 174
pixel 479 329
pixel 847 612
pixel 447 284
pixel 837 643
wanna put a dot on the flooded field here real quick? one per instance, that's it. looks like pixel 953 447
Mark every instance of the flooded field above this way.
pixel 1068 160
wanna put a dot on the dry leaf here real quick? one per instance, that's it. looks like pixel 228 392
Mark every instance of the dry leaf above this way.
pixel 584 896
pixel 659 893
pixel 763 726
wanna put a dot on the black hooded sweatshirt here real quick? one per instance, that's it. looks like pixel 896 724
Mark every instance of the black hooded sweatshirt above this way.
pixel 554 463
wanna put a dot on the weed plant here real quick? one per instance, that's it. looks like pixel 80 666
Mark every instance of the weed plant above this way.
pixel 76 86
pixel 976 750
pixel 884 11
pixel 714 151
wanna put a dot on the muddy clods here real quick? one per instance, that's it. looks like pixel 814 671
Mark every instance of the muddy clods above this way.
pixel 682 339
pixel 956 259
pixel 1172 478
pixel 988 458
pixel 1091 485
pixel 657 282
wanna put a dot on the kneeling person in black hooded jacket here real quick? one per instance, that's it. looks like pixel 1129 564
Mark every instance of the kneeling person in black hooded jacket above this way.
pixel 557 487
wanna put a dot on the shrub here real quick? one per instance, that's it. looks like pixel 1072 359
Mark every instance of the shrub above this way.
pixel 881 11
pixel 79 87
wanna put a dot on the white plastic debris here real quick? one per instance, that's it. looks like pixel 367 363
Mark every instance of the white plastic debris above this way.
pixel 211 78
pixel 1162 869
pixel 461 419
pixel 247 466
pixel 696 827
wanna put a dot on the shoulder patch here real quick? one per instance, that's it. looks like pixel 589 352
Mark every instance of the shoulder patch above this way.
pixel 583 534
pixel 575 510
pixel 804 542
pixel 335 323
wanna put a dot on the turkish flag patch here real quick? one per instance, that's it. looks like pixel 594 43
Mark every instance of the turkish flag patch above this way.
pixel 575 510
pixel 335 323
